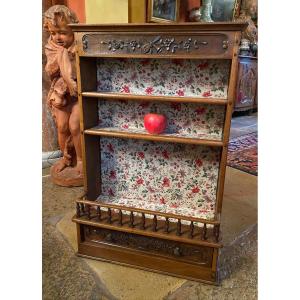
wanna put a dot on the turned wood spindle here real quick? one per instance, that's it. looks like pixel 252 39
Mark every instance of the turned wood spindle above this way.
pixel 204 231
pixel 120 217
pixel 131 220
pixel 143 221
pixel 192 230
pixel 98 213
pixel 154 225
pixel 77 210
pixel 167 225
pixel 178 232
pixel 216 232
pixel 82 207
pixel 88 211
pixel 109 215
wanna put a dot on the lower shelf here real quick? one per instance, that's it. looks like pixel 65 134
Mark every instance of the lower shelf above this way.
pixel 173 258
pixel 148 223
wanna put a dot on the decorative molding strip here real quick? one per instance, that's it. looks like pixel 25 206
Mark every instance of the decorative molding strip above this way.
pixel 84 42
pixel 156 45
pixel 214 44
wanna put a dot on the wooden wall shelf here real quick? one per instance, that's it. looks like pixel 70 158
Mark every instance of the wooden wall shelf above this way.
pixel 155 201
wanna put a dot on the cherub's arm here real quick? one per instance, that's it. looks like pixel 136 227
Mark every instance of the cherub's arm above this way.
pixel 61 87
pixel 52 67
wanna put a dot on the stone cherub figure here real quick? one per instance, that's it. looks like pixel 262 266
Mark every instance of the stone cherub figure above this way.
pixel 62 97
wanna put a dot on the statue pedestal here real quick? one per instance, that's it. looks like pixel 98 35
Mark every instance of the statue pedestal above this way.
pixel 67 177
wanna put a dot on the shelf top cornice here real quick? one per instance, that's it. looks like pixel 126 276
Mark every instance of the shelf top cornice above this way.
pixel 158 27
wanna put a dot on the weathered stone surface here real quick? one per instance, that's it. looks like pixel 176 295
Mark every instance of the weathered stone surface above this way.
pixel 65 276
pixel 241 284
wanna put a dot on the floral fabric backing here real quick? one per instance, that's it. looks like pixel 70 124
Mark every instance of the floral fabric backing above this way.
pixel 167 177
pixel 183 119
pixel 167 77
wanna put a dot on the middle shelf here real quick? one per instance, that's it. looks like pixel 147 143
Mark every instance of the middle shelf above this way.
pixel 189 123
pixel 140 134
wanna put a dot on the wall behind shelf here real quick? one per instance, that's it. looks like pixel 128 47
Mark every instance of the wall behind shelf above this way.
pixel 103 11
pixel 120 11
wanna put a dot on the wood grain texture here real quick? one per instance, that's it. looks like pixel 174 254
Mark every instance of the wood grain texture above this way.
pixel 226 131
pixel 87 80
pixel 149 262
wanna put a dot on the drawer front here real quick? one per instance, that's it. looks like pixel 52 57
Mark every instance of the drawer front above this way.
pixel 206 45
pixel 182 252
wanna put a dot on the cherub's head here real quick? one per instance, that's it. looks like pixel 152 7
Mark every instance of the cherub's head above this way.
pixel 56 20
pixel 251 9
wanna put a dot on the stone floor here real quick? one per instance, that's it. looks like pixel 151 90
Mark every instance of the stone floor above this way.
pixel 66 276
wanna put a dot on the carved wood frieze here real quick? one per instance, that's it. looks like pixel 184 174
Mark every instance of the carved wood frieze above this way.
pixel 247 84
pixel 155 45
pixel 160 44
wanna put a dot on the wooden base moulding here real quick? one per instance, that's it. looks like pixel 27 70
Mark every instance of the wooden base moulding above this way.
pixel 167 257
pixel 160 242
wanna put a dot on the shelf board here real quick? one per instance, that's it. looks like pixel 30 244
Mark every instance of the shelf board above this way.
pixel 143 135
pixel 159 234
pixel 120 96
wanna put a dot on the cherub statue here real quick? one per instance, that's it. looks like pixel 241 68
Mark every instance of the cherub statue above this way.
pixel 62 97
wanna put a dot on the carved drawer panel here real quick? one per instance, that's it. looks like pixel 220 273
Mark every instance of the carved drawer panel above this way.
pixel 246 85
pixel 179 251
pixel 176 45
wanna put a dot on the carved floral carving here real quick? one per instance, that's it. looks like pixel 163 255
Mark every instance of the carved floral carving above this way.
pixel 156 45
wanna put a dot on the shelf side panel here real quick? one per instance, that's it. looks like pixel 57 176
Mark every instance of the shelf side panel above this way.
pixel 227 122
pixel 87 80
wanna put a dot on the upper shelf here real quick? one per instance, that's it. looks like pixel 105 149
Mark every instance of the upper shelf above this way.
pixel 120 96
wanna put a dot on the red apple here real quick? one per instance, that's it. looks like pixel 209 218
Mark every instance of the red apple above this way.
pixel 155 123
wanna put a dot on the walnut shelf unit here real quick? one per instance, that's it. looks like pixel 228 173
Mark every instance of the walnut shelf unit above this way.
pixel 154 202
